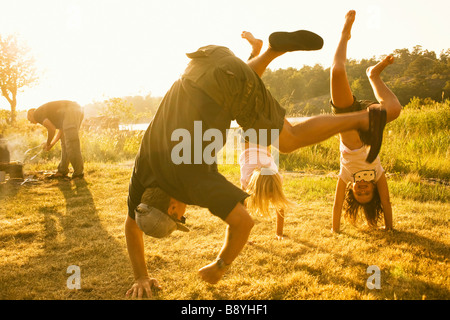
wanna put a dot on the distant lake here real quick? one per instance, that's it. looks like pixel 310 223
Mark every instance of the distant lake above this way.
pixel 143 126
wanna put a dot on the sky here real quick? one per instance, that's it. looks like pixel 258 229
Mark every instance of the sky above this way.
pixel 93 50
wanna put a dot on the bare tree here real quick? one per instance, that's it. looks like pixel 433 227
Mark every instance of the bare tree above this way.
pixel 17 70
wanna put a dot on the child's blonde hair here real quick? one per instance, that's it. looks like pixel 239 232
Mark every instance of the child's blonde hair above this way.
pixel 265 191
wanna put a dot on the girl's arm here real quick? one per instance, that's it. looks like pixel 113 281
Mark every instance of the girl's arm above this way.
pixel 280 224
pixel 383 191
pixel 338 203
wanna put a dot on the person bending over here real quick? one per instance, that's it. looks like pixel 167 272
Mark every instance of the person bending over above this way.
pixel 62 119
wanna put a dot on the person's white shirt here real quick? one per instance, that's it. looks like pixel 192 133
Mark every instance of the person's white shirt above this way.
pixel 354 166
pixel 256 157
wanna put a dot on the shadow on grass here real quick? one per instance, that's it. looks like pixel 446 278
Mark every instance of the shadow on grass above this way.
pixel 72 236
pixel 396 283
pixel 434 253
pixel 8 190
pixel 96 250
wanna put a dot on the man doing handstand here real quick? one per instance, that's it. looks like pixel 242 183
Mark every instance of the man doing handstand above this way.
pixel 216 88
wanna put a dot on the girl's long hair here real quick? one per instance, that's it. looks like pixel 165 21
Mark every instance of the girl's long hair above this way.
pixel 266 191
pixel 372 211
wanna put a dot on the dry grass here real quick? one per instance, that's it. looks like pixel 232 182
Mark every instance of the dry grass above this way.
pixel 47 227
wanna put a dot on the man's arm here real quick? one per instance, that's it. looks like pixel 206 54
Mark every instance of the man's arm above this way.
pixel 338 203
pixel 53 134
pixel 239 226
pixel 135 246
pixel 383 191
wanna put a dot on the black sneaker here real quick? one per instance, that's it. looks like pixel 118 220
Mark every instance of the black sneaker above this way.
pixel 58 176
pixel 293 41
pixel 78 176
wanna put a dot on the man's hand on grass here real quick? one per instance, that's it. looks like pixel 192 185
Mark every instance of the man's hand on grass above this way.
pixel 142 285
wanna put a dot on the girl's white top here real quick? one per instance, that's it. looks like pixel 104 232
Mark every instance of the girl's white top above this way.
pixel 253 158
pixel 355 168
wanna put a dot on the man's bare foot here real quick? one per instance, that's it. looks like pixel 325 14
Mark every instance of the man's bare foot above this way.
pixel 349 19
pixel 379 67
pixel 255 43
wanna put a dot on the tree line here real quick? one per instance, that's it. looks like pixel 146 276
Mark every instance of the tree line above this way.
pixel 303 92
pixel 130 109
pixel 417 73
pixel 17 70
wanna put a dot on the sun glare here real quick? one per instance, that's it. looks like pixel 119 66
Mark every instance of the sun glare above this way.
pixel 93 50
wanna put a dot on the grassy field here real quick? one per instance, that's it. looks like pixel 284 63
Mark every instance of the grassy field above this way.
pixel 47 226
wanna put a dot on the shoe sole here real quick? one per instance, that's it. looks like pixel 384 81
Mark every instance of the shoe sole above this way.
pixel 294 41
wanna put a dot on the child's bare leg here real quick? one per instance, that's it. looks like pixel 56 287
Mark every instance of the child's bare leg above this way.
pixel 259 64
pixel 384 95
pixel 282 42
pixel 255 43
pixel 341 94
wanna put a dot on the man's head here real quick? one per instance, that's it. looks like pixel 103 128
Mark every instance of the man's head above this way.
pixel 159 215
pixel 30 115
